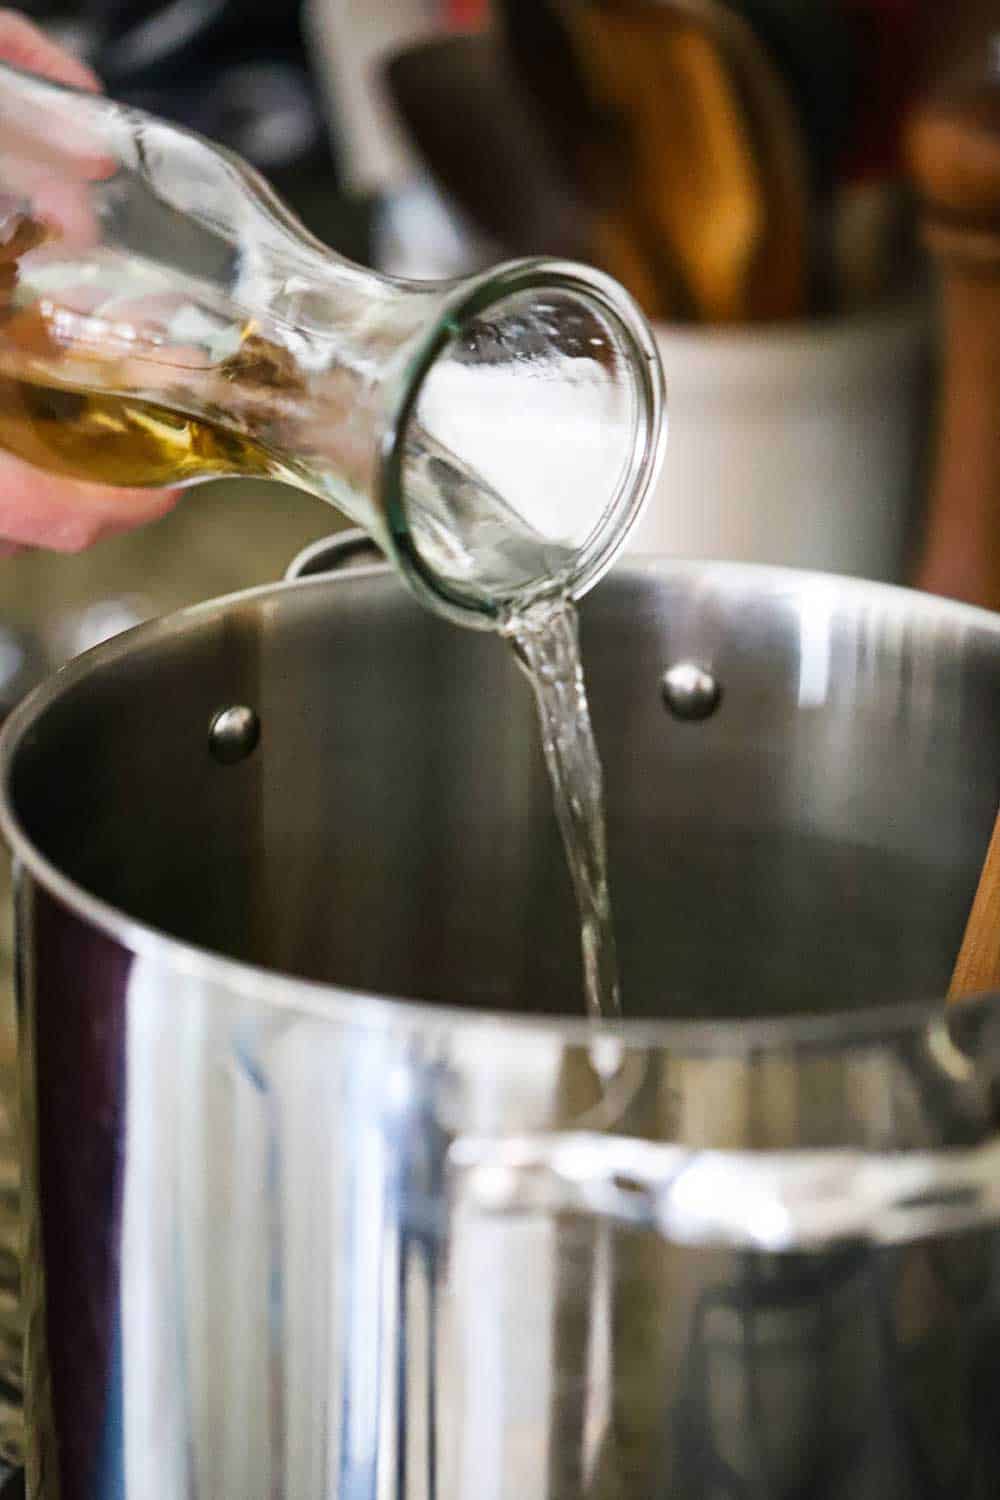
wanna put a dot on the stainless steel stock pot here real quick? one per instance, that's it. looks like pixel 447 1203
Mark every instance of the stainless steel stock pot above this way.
pixel 335 1195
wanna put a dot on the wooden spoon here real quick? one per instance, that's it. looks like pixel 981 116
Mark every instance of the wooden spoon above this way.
pixel 978 968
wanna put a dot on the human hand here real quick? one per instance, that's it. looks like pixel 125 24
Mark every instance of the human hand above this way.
pixel 39 509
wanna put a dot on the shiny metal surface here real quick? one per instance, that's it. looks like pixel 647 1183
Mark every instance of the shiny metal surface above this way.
pixel 233 734
pixel 294 1239
pixel 690 692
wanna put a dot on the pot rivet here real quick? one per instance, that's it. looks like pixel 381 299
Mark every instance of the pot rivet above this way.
pixel 233 734
pixel 690 692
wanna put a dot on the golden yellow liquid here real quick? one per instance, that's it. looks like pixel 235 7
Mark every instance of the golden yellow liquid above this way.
pixel 105 439
pixel 96 436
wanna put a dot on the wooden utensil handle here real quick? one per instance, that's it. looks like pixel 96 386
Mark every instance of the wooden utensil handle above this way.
pixel 954 151
pixel 977 971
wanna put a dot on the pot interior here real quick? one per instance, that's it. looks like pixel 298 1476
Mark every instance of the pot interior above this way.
pixel 812 846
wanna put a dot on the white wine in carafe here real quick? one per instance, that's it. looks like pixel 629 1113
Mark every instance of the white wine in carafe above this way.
pixel 164 320
pixel 120 440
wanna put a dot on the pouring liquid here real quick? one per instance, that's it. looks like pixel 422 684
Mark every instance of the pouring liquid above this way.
pixel 546 641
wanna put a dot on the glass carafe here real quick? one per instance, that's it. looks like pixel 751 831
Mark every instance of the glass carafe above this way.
pixel 165 320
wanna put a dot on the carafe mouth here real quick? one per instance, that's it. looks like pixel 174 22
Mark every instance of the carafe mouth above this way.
pixel 521 440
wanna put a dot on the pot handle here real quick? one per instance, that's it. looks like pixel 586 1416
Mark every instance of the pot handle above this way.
pixel 751 1200
pixel 333 554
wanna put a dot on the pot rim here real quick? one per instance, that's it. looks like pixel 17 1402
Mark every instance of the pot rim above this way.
pixel 335 1003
